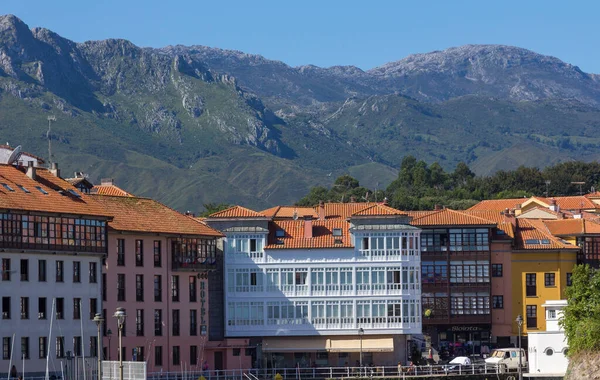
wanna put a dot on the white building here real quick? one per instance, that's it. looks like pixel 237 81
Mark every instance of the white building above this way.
pixel 52 241
pixel 547 349
pixel 316 284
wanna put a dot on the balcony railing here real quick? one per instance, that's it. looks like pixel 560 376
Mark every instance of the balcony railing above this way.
pixel 193 263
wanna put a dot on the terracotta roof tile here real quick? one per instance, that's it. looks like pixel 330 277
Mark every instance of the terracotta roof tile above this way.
pixel 379 210
pixel 147 215
pixel 448 217
pixel 287 212
pixel 344 210
pixel 497 204
pixel 110 190
pixel 236 212
pixel 68 201
pixel 493 215
pixel 572 227
pixel 322 234
pixel 532 234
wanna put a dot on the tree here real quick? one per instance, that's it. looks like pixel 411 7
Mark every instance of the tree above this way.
pixel 581 318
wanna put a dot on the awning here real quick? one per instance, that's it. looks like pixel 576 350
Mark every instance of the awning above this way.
pixel 353 345
pixel 294 344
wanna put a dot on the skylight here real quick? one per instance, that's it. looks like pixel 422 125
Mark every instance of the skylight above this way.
pixel 280 233
pixel 74 193
pixel 337 232
pixel 41 190
pixel 7 187
pixel 24 189
pixel 532 241
pixel 545 241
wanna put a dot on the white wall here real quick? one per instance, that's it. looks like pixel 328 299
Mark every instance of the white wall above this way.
pixel 547 353
pixel 33 289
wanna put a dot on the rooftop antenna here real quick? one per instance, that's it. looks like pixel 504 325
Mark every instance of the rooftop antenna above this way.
pixel 51 118
pixel 15 155
pixel 547 182
pixel 580 185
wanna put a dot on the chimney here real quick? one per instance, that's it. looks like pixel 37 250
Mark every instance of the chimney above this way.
pixel 553 205
pixel 308 227
pixel 509 217
pixel 437 207
pixel 353 199
pixel 321 210
pixel 30 170
pixel 54 169
pixel 107 182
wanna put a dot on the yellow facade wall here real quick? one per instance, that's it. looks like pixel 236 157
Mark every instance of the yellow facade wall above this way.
pixel 558 262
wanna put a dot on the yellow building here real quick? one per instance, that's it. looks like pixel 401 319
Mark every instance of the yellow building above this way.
pixel 541 266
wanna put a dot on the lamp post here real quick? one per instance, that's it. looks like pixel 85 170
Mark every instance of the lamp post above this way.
pixel 120 315
pixel 99 320
pixel 519 321
pixel 360 334
pixel 109 335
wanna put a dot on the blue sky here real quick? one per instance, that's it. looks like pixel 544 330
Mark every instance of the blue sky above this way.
pixel 328 32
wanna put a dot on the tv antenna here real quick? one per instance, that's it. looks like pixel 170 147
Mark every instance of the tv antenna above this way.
pixel 15 155
pixel 51 118
pixel 580 184
pixel 547 182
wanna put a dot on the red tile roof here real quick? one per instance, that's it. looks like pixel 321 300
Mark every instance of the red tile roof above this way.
pixel 572 227
pixel 110 190
pixel 532 234
pixel 379 210
pixel 322 231
pixel 136 214
pixel 237 212
pixel 344 210
pixel 497 204
pixel 287 212
pixel 566 203
pixel 448 217
pixel 61 196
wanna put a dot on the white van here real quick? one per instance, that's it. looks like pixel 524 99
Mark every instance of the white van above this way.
pixel 507 358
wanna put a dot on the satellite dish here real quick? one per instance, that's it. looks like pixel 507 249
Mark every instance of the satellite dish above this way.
pixel 14 156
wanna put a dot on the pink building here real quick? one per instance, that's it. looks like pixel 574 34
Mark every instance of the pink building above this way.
pixel 159 266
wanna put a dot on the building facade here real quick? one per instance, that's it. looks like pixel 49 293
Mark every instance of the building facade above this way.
pixel 309 287
pixel 548 349
pixel 52 241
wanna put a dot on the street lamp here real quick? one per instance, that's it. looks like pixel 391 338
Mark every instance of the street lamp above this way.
pixel 519 321
pixel 99 320
pixel 109 335
pixel 360 334
pixel 120 315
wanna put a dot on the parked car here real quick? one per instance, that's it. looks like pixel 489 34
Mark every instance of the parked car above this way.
pixel 507 358
pixel 454 364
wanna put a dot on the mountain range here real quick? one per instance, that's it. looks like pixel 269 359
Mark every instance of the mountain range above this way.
pixel 189 125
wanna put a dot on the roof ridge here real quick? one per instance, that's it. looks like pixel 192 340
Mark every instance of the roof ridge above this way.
pixel 237 207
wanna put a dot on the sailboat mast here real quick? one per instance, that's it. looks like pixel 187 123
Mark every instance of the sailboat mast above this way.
pixel 11 354
pixel 50 339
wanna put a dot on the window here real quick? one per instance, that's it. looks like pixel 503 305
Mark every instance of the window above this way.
pixel 5 269
pixel 139 322
pixel 158 356
pixel 175 321
pixel 24 189
pixel 498 302
pixel 337 232
pixel 470 303
pixel 41 190
pixel 497 270
pixel 157 288
pixel 551 314
pixel 549 279
pixel 93 307
pixel 60 266
pixel 139 287
pixel 24 307
pixel 176 353
pixel 76 308
pixel 193 322
pixel 237 351
pixel 42 344
pixel 77 346
pixel 93 346
pixel 25 270
pixel 60 308
pixel 193 355
pixel 7 187
pixel 25 347
pixel 6 348
pixel 42 308
pixel 469 272
pixel 193 289
pixel 157 254
pixel 158 323
pixel 175 288
pixel 549 352
pixel 5 307
pixel 569 279
pixel 120 287
pixel 104 286
pixel 531 316
pixel 42 270
pixel 60 347
pixel 530 285
pixel 121 252
pixel 93 273
pixel 76 271
pixel 139 253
